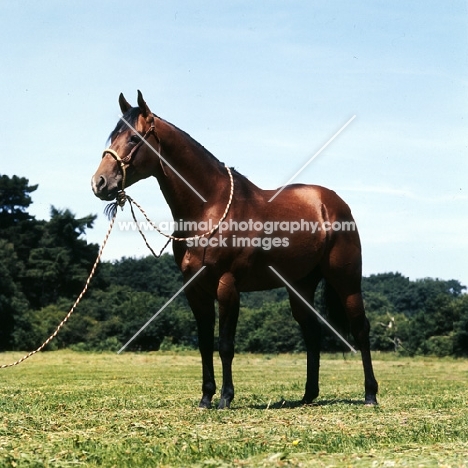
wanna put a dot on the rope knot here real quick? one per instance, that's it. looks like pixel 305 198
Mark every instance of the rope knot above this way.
pixel 121 198
pixel 111 209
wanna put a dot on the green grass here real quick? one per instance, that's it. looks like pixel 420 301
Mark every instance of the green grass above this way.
pixel 62 409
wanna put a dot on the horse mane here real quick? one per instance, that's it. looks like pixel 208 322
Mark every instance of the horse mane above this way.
pixel 131 117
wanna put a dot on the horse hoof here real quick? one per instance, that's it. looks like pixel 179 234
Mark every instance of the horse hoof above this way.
pixel 371 400
pixel 224 404
pixel 308 399
pixel 204 404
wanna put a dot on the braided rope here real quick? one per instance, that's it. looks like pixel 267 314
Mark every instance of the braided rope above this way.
pixel 184 239
pixel 144 237
pixel 83 292
pixel 121 202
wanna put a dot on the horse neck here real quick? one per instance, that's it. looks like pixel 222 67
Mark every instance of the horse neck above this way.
pixel 202 172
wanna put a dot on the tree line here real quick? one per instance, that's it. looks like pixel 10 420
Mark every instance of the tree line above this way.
pixel 44 264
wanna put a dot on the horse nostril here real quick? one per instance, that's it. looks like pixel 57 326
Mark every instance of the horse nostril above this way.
pixel 102 182
pixel 98 184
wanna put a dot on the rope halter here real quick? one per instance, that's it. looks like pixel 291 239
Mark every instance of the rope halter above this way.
pixel 124 162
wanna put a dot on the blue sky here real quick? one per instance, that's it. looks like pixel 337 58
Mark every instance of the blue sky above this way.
pixel 263 85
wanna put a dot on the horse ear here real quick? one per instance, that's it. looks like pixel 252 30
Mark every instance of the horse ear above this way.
pixel 124 105
pixel 142 105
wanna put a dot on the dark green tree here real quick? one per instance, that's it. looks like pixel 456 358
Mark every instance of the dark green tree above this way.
pixel 410 297
pixel 159 276
pixel 460 337
pixel 431 330
pixel 269 329
pixel 17 227
pixel 60 262
pixel 14 200
pixel 385 322
pixel 13 303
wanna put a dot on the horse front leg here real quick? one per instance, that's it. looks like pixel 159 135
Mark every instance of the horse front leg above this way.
pixel 204 311
pixel 228 298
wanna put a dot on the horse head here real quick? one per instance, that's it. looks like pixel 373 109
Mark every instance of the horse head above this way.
pixel 130 154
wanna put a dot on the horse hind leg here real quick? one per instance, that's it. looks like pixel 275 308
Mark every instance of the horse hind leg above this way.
pixel 311 331
pixel 348 302
pixel 360 329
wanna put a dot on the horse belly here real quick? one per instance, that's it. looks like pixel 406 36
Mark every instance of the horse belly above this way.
pixel 296 257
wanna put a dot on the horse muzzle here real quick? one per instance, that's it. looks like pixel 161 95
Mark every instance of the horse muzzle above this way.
pixel 103 189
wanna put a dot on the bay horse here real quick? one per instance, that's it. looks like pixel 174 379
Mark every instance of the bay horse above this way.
pixel 198 187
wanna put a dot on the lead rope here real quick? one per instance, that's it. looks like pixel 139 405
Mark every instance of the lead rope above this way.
pixel 123 197
pixel 142 235
pixel 112 211
pixel 183 239
pixel 83 292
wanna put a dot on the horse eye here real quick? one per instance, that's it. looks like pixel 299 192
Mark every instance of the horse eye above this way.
pixel 135 139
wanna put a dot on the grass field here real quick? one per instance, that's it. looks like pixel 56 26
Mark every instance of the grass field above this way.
pixel 69 409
